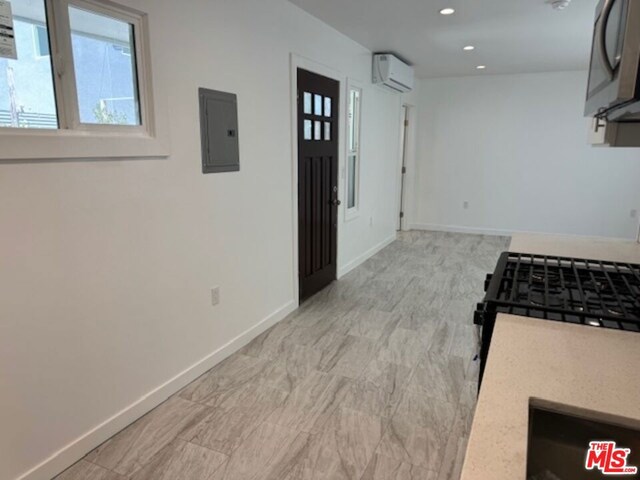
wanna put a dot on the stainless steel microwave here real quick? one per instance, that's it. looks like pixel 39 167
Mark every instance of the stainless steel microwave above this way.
pixel 614 75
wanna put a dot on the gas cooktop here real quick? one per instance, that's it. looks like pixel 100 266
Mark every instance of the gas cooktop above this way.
pixel 591 292
pixel 595 293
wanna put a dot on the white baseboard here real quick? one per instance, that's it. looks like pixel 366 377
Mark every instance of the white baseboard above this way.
pixel 459 229
pixel 77 449
pixel 342 271
pixel 505 233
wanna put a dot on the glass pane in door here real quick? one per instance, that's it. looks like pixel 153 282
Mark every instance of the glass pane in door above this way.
pixel 307 103
pixel 308 126
pixel 317 105
pixel 327 106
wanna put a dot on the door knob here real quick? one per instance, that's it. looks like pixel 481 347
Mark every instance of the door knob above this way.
pixel 336 202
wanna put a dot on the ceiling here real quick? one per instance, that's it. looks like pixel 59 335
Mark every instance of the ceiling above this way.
pixel 510 36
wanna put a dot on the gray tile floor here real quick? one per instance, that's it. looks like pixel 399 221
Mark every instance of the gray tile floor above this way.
pixel 371 379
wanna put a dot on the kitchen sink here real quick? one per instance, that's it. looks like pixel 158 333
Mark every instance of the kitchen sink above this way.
pixel 559 442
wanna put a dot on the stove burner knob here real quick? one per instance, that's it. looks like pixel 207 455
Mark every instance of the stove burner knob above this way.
pixel 478 318
pixel 487 282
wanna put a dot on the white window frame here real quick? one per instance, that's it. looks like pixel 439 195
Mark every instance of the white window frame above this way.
pixel 74 139
pixel 354 211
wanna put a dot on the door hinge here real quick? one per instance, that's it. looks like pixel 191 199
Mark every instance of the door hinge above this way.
pixel 404 170
pixel 401 214
pixel 406 123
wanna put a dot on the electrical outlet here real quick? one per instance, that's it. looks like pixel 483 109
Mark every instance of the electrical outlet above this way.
pixel 633 213
pixel 465 205
pixel 215 296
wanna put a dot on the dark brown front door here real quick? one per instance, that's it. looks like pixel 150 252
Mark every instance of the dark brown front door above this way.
pixel 318 106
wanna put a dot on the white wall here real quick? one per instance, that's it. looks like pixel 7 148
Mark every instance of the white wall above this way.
pixel 514 147
pixel 106 266
pixel 376 219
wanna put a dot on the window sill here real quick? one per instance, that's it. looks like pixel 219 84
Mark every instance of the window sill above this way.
pixel 67 144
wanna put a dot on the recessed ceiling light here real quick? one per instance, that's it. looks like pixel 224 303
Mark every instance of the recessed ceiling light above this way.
pixel 559 4
pixel 468 48
pixel 447 11
pixel 481 67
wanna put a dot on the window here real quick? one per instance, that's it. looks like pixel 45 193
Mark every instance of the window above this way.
pixel 27 98
pixel 353 148
pixel 104 87
pixel 106 83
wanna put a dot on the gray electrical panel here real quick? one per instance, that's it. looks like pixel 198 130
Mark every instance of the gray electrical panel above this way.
pixel 219 131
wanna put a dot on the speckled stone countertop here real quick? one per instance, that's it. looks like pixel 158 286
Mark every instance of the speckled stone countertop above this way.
pixel 574 367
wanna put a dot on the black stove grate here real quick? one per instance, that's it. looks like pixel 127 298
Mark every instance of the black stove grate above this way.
pixel 589 292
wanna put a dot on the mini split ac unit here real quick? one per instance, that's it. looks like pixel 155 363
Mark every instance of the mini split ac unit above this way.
pixel 393 73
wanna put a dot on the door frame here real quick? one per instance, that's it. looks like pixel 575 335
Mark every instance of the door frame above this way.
pixel 402 187
pixel 406 156
pixel 298 61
